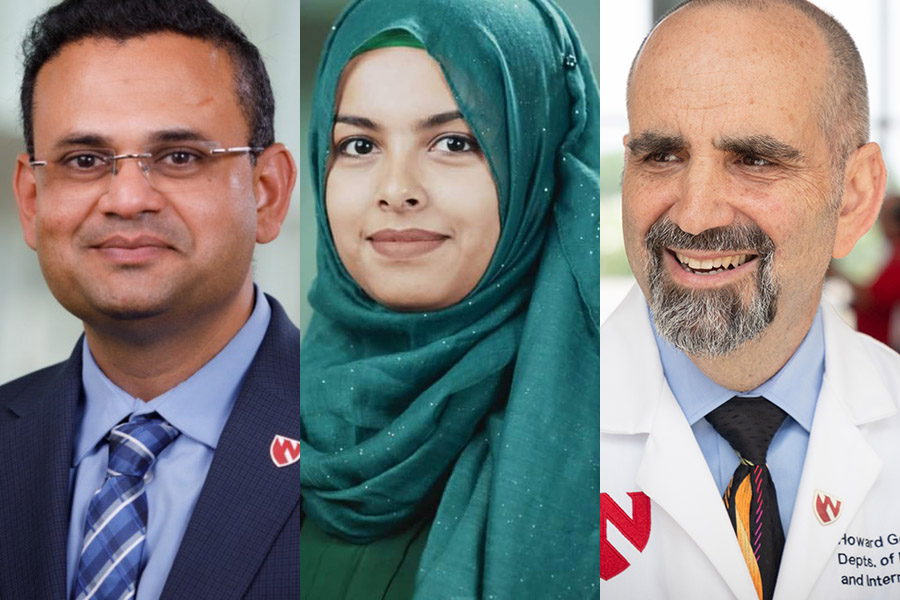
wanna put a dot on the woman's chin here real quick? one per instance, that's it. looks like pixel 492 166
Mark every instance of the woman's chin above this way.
pixel 420 296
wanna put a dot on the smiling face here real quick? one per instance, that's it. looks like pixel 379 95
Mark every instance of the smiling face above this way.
pixel 730 213
pixel 411 203
pixel 132 250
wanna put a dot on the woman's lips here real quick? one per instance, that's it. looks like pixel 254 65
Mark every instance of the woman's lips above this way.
pixel 406 243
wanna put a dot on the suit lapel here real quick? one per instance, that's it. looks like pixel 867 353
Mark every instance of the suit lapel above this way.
pixel 36 435
pixel 246 499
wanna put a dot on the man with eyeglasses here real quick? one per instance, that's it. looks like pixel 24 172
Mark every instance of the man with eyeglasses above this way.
pixel 159 461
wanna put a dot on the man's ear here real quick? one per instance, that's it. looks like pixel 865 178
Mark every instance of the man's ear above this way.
pixel 25 190
pixel 273 181
pixel 865 177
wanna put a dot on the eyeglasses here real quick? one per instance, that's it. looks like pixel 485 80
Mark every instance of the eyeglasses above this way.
pixel 170 167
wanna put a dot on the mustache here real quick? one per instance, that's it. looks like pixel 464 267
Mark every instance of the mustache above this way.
pixel 749 236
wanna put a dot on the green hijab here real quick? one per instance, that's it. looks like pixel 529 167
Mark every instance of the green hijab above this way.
pixel 486 411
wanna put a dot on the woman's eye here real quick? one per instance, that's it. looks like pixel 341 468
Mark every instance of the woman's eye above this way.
pixel 455 143
pixel 356 147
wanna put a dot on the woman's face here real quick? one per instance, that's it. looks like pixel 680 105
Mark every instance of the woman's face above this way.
pixel 410 199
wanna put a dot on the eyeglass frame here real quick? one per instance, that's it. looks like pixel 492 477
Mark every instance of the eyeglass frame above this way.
pixel 115 158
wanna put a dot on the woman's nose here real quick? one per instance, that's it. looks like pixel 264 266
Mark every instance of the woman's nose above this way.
pixel 401 184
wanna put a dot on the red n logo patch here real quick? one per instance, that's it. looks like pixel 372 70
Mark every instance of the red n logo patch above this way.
pixel 284 451
pixel 635 528
pixel 827 508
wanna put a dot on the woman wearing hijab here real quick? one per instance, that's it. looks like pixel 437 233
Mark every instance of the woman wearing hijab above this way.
pixel 449 377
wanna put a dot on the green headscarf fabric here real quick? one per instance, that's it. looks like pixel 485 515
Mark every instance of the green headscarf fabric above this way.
pixel 488 409
pixel 392 38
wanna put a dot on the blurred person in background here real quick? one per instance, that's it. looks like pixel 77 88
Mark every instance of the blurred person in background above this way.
pixel 158 460
pixel 875 304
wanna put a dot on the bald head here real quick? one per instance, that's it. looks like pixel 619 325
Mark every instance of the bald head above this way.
pixel 809 35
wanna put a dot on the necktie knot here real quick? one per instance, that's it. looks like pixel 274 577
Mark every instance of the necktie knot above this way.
pixel 112 553
pixel 134 445
pixel 748 424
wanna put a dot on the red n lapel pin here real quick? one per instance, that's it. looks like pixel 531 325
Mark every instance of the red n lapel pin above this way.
pixel 826 507
pixel 284 451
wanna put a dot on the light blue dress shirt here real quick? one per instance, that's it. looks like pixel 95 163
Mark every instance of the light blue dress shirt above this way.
pixel 198 407
pixel 794 389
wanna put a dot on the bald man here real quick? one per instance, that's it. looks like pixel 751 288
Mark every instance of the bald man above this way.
pixel 747 434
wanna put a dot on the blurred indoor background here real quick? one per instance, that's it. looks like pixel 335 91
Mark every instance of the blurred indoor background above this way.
pixel 34 330
pixel 316 17
pixel 623 26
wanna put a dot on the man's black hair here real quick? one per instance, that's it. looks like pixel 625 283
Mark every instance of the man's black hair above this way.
pixel 75 20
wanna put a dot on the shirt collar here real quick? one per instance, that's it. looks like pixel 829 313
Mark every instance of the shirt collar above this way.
pixel 198 406
pixel 794 388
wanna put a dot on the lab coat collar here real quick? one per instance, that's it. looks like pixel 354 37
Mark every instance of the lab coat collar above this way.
pixel 628 334
pixel 850 359
pixel 839 462
pixel 672 470
pixel 625 336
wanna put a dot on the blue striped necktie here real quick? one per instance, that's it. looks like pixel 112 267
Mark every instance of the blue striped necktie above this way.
pixel 116 524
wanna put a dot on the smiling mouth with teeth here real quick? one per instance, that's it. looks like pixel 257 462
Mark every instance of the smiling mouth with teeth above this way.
pixel 712 266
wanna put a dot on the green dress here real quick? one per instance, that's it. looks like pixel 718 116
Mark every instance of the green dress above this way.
pixel 486 413
pixel 334 569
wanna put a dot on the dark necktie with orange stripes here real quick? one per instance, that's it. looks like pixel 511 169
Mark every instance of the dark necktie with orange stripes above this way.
pixel 748 424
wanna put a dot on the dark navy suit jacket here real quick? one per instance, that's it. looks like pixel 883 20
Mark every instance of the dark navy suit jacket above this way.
pixel 243 539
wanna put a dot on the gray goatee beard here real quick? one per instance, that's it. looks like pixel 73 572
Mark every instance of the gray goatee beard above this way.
pixel 710 322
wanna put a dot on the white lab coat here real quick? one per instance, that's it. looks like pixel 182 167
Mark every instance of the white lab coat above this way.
pixel 691 552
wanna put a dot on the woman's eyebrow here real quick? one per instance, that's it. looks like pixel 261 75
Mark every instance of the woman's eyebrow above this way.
pixel 439 119
pixel 357 121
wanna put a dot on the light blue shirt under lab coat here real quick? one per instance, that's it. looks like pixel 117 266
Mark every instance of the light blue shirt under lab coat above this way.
pixel 794 389
pixel 198 407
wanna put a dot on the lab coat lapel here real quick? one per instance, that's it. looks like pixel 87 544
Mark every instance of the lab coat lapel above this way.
pixel 840 462
pixel 674 474
pixel 672 470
